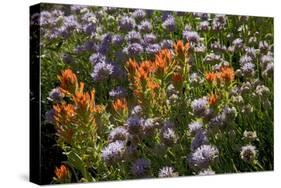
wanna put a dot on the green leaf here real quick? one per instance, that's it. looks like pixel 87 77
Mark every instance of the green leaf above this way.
pixel 75 160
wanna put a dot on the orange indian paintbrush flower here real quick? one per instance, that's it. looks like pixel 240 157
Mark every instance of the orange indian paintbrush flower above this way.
pixel 120 104
pixel 84 101
pixel 212 99
pixel 180 48
pixel 68 81
pixel 62 173
pixel 227 74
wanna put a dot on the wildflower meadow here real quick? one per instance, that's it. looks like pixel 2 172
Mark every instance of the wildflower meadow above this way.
pixel 132 93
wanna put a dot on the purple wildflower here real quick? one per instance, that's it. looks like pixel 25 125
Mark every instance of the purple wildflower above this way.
pixel 117 40
pixel 56 95
pixel 102 71
pixel 119 133
pixel 202 157
pixel 199 140
pixel 113 152
pixel 167 171
pixel 133 37
pixel 191 36
pixel 134 49
pixel 167 44
pixel 139 14
pixel 248 69
pixel 118 92
pixel 97 58
pixel 137 111
pixel 141 167
pixel 145 27
pixel 195 127
pixel 153 49
pixel 199 106
pixel 203 26
pixel 127 23
pixel 149 39
pixel 169 24
pixel 134 124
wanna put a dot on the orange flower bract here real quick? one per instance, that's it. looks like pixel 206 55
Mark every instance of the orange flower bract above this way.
pixel 62 172
pixel 120 104
pixel 68 81
pixel 212 99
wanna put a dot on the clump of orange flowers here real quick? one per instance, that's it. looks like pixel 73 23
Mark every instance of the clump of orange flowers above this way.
pixel 68 81
pixel 81 112
pixel 212 99
pixel 181 49
pixel 120 105
pixel 62 173
pixel 224 75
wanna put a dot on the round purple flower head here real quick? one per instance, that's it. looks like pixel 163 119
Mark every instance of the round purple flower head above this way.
pixel 202 157
pixel 167 171
pixel 191 36
pixel 56 95
pixel 245 59
pixel 248 69
pixel 149 126
pixel 102 71
pixel 145 26
pixel 169 24
pixel 203 26
pixel 113 152
pixel 134 49
pixel 237 43
pixel 141 168
pixel 118 92
pixel 127 23
pixel 152 49
pixel 199 106
pixel 139 14
pixel 134 124
pixel 133 36
pixel 149 39
pixel 195 127
pixel 117 40
pixel 119 133
pixel 97 58
pixel 168 134
pixel 167 44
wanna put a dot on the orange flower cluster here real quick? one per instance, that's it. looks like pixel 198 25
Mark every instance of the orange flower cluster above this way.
pixel 120 105
pixel 68 81
pixel 67 116
pixel 181 49
pixel 212 99
pixel 226 74
pixel 64 115
pixel 62 173
pixel 141 74
pixel 84 101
